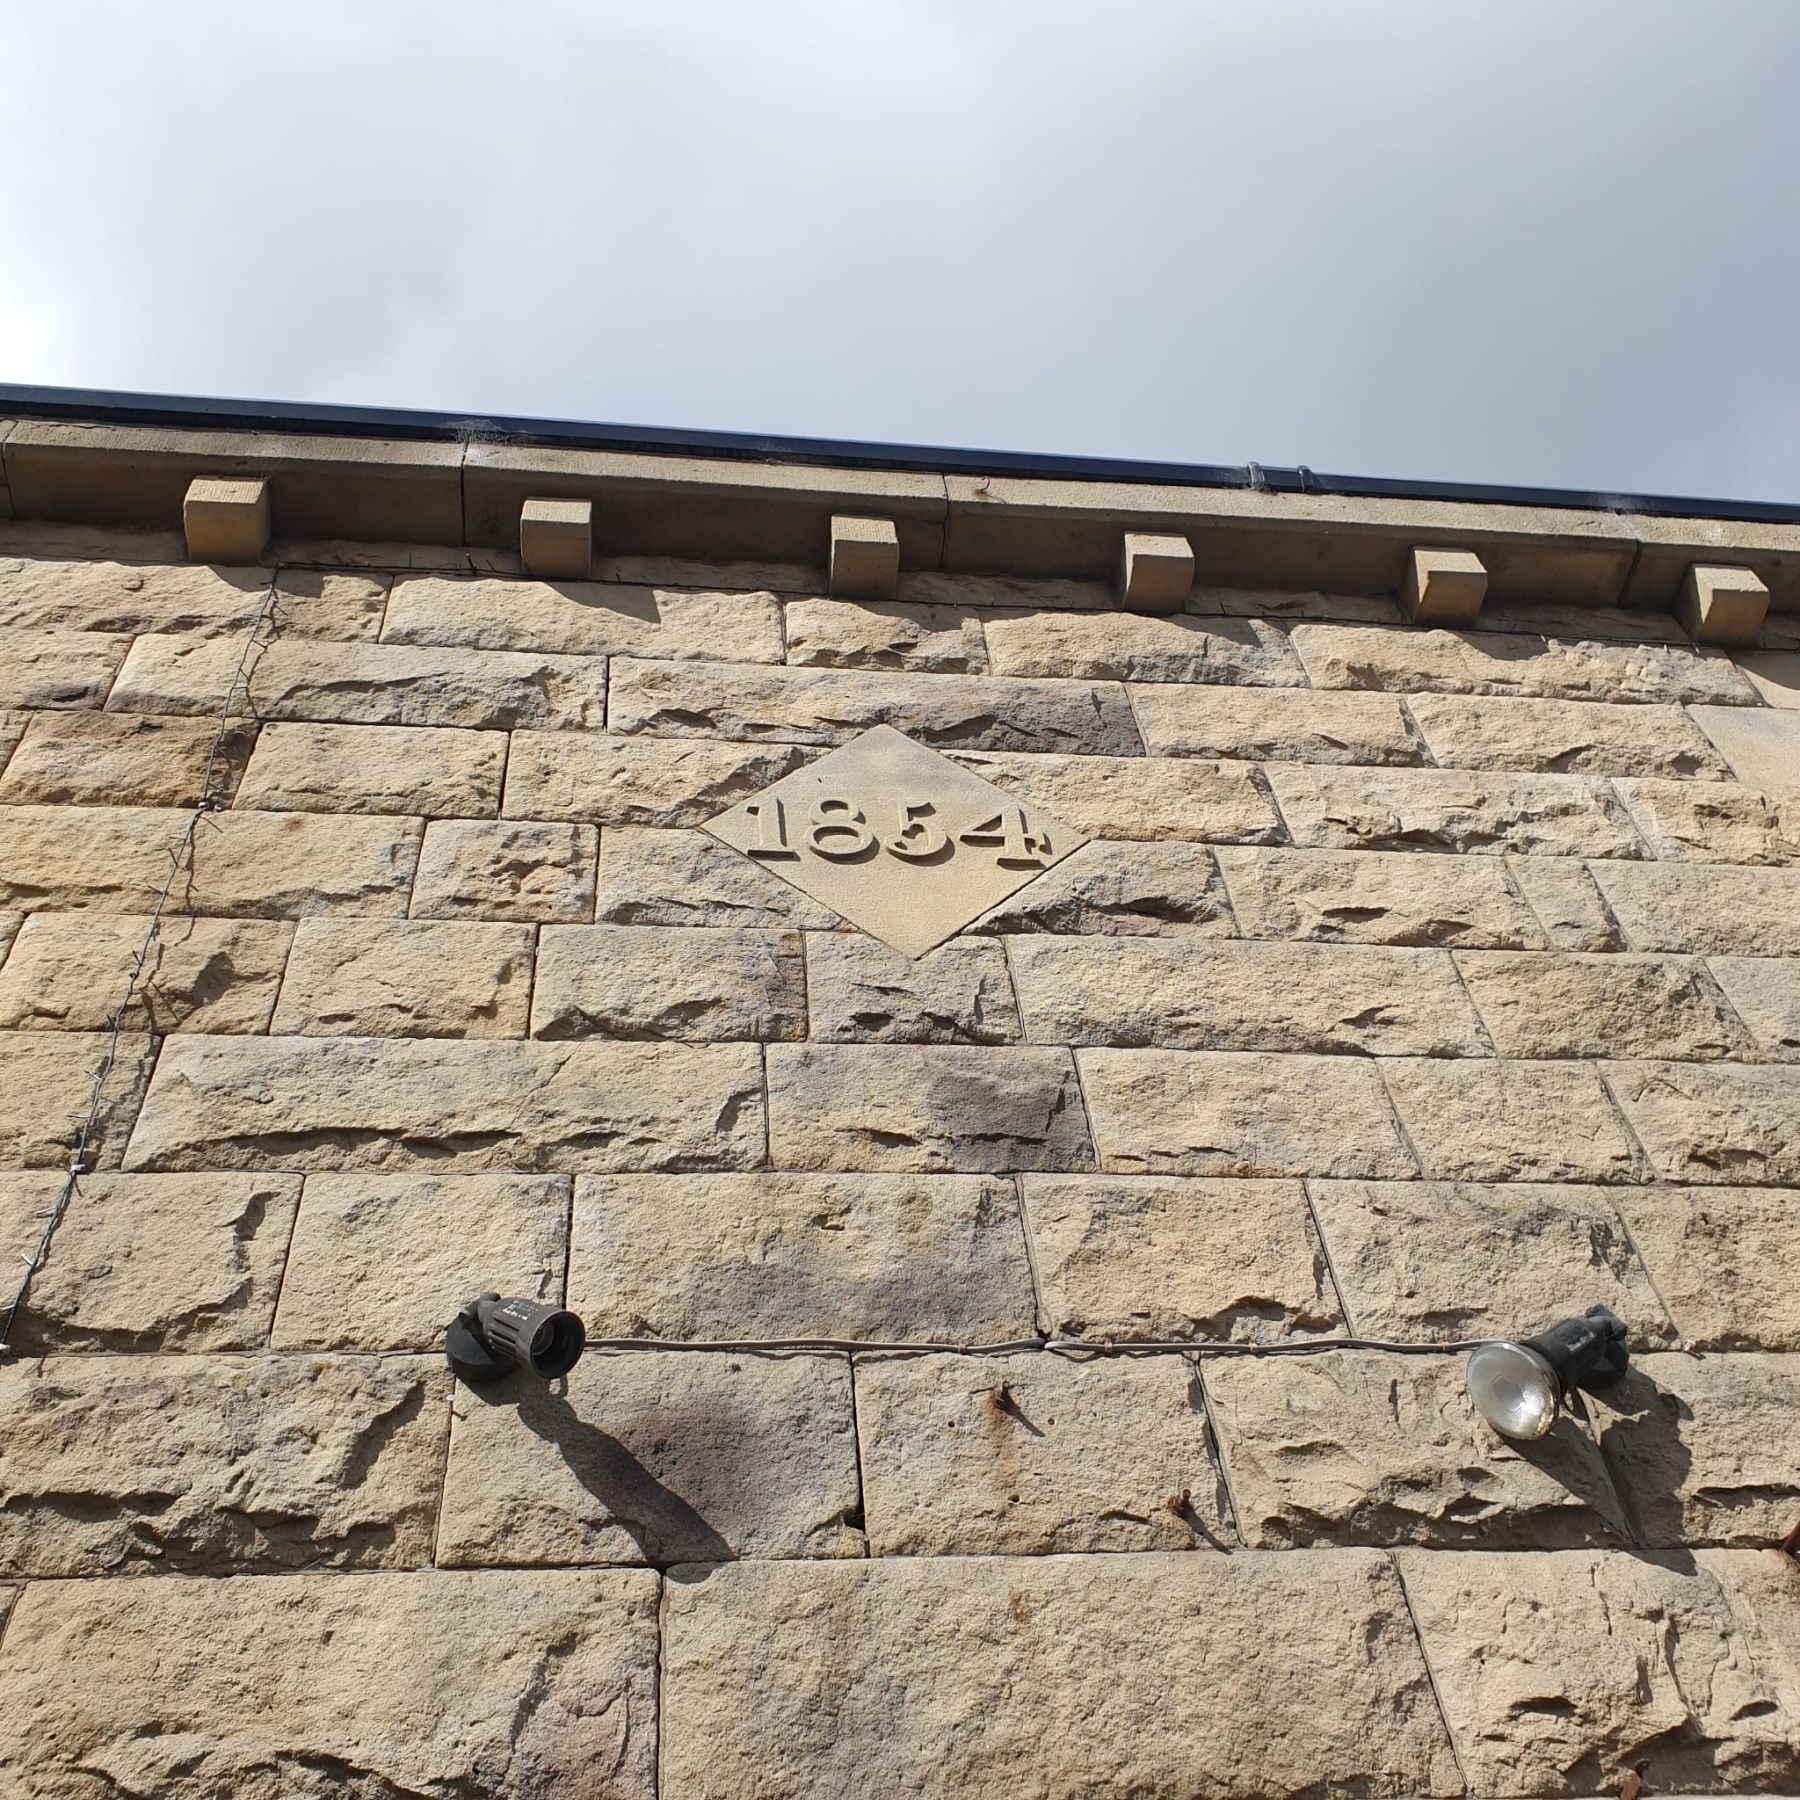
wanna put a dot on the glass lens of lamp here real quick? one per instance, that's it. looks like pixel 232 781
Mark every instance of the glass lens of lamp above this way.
pixel 1513 1388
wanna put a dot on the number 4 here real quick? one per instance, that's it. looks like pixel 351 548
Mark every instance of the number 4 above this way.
pixel 1020 845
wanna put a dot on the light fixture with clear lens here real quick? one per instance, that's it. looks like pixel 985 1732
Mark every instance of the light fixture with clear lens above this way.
pixel 1514 1389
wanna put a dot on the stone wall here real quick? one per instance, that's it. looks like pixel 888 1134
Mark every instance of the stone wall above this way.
pixel 1413 987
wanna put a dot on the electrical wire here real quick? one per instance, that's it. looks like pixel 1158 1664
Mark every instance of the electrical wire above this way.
pixel 1055 1346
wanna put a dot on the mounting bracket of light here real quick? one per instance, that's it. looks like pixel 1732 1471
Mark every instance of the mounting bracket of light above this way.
pixel 491 1337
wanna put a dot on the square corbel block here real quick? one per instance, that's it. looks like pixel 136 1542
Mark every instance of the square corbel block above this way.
pixel 865 558
pixel 1443 587
pixel 226 521
pixel 1155 573
pixel 1721 605
pixel 556 539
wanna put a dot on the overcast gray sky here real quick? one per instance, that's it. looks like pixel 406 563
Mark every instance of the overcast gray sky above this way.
pixel 1499 241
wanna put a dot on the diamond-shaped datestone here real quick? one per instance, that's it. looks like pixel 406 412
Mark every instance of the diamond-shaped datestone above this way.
pixel 897 839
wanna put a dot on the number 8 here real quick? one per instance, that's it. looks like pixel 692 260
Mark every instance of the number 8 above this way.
pixel 834 821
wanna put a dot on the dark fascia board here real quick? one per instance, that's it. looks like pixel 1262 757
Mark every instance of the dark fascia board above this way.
pixel 153 410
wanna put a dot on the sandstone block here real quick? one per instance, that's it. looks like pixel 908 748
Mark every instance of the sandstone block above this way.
pixel 1226 1112
pixel 1273 724
pixel 362 1684
pixel 383 1262
pixel 1442 587
pixel 60 668
pixel 1775 674
pixel 1722 605
pixel 1131 992
pixel 220 1464
pixel 1267 603
pixel 939 587
pixel 405 978
pixel 1559 1672
pixel 1036 1455
pixel 1565 737
pixel 1446 809
pixel 831 706
pixel 583 618
pixel 375 769
pixel 226 521
pixel 651 877
pixel 1132 647
pixel 1122 890
pixel 506 869
pixel 885 634
pixel 1568 1006
pixel 1761 744
pixel 1765 991
pixel 1146 1257
pixel 1510 1121
pixel 1155 572
pixel 925 1110
pixel 1366 1447
pixel 69 972
pixel 1762 1586
pixel 1442 1260
pixel 1709 1122
pixel 1562 621
pixel 859 991
pixel 556 538
pixel 864 558
pixel 1714 822
pixel 1568 903
pixel 1721 1257
pixel 658 1457
pixel 47 1085
pixel 656 782
pixel 373 1103
pixel 151 1262
pixel 888 1258
pixel 118 759
pixel 365 684
pixel 1371 897
pixel 1019 1678
pixel 618 981
pixel 1706 911
pixel 12 728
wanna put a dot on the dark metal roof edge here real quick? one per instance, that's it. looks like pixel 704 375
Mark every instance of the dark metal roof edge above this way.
pixel 103 406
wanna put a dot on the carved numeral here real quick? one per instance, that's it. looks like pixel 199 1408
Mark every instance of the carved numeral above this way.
pixel 771 829
pixel 1019 845
pixel 838 831
pixel 920 836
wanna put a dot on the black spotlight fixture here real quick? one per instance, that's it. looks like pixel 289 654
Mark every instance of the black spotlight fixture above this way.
pixel 1518 1387
pixel 491 1337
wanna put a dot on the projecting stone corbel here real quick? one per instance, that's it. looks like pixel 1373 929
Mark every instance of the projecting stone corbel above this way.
pixel 1722 605
pixel 556 539
pixel 226 521
pixel 1443 587
pixel 865 558
pixel 1156 573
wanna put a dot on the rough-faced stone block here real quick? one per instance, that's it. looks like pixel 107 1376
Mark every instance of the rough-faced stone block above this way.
pixel 657 782
pixel 375 769
pixel 1019 1678
pixel 925 1110
pixel 1775 674
pixel 1765 991
pixel 341 1682
pixel 1155 572
pixel 226 521
pixel 658 1457
pixel 373 1103
pixel 41 669
pixel 220 1465
pixel 941 587
pixel 1440 1260
pixel 151 1262
pixel 1564 895
pixel 1270 603
pixel 1131 647
pixel 1442 587
pixel 405 978
pixel 617 981
pixel 1036 1455
pixel 47 1085
pixel 1564 737
pixel 1706 911
pixel 383 1262
pixel 1722 605
pixel 556 538
pixel 1144 1257
pixel 1121 890
pixel 654 877
pixel 506 869
pixel 858 991
pixel 1367 1447
pixel 1713 1121
pixel 887 1258
pixel 1273 724
pixel 117 759
pixel 863 559
pixel 1715 821
pixel 1762 744
pixel 885 634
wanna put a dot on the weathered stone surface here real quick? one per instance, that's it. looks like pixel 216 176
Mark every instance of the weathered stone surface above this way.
pixel 859 991
pixel 1365 1447
pixel 655 1456
pixel 887 1258
pixel 1706 911
pixel 383 1262
pixel 1274 725
pixel 1723 1259
pixel 582 618
pixel 69 972
pixel 405 978
pixel 939 587
pixel 1263 603
pixel 1585 624
pixel 376 769
pixel 1701 1448
pixel 1371 897
pixel 1559 1672
pixel 1122 890
pixel 1713 1121
pixel 1714 822
pixel 12 728
pixel 1548 1006
pixel 1480 662
pixel 1138 797
pixel 116 859
pixel 61 668
pixel 635 781
pixel 885 634
pixel 372 1103
pixel 620 981
pixel 1567 902
pixel 920 1110
pixel 47 1085
pixel 651 877
pixel 1129 992
pixel 219 1464
pixel 1765 990
pixel 118 759
pixel 365 684
pixel 344 1684
pixel 1775 674
pixel 1510 1121
pixel 831 706
pixel 1024 1678
pixel 1129 646
pixel 151 1262
pixel 1034 1455
pixel 506 869
pixel 1442 1260
pixel 1564 737
pixel 1762 744
pixel 1448 809
pixel 1148 1257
